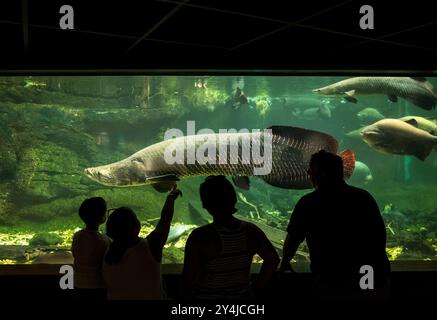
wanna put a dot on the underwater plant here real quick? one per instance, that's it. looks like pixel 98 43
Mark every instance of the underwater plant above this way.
pixel 262 106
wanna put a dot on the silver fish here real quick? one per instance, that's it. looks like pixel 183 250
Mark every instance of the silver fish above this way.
pixel 416 90
pixel 290 154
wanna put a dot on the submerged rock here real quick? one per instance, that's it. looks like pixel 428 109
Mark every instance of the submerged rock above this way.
pixel 57 257
pixel 45 239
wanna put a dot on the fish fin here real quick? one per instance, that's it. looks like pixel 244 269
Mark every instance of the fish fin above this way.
pixel 162 178
pixel 350 93
pixel 383 146
pixel 290 183
pixel 241 182
pixel 163 186
pixel 427 104
pixel 425 82
pixel 348 157
pixel 429 86
pixel 163 183
pixel 413 122
pixel 311 137
pixel 424 152
pixel 350 99
pixel 392 98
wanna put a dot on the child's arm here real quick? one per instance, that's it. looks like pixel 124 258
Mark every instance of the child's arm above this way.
pixel 158 237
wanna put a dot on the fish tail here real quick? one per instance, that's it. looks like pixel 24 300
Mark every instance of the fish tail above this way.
pixel 348 157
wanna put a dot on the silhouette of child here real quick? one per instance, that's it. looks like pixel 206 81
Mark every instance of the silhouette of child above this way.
pixel 89 245
pixel 132 265
pixel 218 256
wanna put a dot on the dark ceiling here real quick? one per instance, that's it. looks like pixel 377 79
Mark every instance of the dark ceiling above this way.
pixel 218 34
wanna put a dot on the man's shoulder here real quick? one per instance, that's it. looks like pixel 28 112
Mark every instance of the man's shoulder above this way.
pixel 358 191
pixel 308 197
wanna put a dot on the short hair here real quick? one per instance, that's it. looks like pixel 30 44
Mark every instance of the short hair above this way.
pixel 330 164
pixel 218 195
pixel 92 210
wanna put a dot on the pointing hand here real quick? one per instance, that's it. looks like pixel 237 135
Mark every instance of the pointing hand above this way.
pixel 175 192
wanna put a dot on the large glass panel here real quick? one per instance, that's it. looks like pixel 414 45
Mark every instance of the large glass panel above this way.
pixel 54 127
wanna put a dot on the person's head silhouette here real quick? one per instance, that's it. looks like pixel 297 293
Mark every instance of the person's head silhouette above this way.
pixel 123 228
pixel 218 196
pixel 92 211
pixel 326 169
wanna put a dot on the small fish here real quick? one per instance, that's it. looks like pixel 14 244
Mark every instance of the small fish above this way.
pixel 369 115
pixel 362 174
pixel 394 136
pixel 415 90
pixel 320 113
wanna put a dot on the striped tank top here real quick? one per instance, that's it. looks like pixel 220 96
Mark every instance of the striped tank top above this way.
pixel 228 275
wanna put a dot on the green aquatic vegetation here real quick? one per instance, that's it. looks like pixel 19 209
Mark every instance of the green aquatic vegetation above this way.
pixel 31 83
pixel 16 238
pixel 262 87
pixel 394 252
pixel 81 143
pixel 6 205
pixel 244 200
pixel 8 160
pixel 59 207
pixel 263 106
pixel 27 164
pixel 209 98
pixel 387 208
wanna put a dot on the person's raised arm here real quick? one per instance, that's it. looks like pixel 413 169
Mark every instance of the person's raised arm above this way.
pixel 158 237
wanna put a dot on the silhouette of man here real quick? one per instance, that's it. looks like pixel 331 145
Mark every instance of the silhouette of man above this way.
pixel 218 256
pixel 344 231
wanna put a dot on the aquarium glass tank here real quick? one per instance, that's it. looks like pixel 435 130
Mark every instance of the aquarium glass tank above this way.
pixel 54 127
